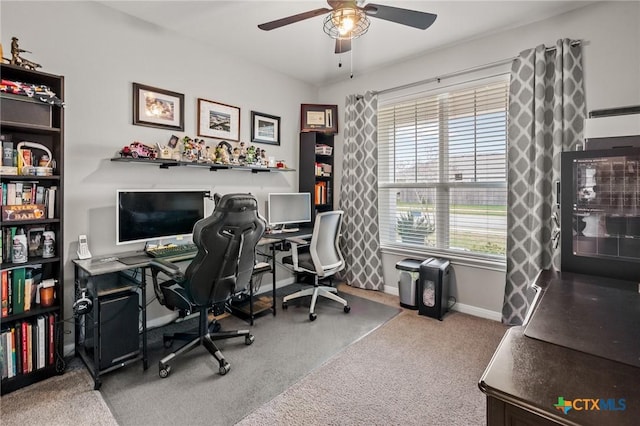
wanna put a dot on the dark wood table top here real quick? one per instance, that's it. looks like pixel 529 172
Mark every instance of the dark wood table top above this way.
pixel 532 373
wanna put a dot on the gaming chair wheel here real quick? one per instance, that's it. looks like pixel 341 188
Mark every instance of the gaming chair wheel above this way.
pixel 313 316
pixel 347 308
pixel 214 327
pixel 284 306
pixel 249 339
pixel 224 368
pixel 164 371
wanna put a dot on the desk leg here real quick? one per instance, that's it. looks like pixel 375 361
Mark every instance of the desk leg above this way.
pixel 251 300
pixel 143 290
pixel 273 278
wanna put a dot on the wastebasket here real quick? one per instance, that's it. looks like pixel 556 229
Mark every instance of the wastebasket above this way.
pixel 433 288
pixel 407 282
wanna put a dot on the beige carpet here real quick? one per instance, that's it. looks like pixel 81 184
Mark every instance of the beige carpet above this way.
pixel 413 370
pixel 63 400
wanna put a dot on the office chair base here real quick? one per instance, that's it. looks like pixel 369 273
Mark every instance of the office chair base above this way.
pixel 164 369
pixel 314 292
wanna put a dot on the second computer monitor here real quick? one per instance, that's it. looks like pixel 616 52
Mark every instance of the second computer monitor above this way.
pixel 289 208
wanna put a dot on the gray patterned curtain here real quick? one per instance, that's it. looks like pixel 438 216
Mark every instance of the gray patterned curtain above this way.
pixel 360 243
pixel 546 117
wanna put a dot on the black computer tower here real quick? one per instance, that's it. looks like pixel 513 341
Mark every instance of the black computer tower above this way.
pixel 433 288
pixel 118 323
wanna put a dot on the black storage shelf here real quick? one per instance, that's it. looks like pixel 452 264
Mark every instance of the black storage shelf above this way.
pixel 23 124
pixel 31 261
pixel 307 178
pixel 31 313
pixel 30 178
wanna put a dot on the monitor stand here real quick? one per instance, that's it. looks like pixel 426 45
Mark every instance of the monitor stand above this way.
pixel 285 229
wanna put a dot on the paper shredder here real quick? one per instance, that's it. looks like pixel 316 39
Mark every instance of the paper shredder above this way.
pixel 433 288
pixel 408 277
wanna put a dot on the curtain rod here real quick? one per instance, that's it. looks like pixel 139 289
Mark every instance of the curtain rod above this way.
pixel 461 72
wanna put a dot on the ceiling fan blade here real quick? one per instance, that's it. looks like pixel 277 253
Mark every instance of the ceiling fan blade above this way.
pixel 412 18
pixel 267 26
pixel 343 46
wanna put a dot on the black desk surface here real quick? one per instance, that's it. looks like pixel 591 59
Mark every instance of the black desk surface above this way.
pixel 598 316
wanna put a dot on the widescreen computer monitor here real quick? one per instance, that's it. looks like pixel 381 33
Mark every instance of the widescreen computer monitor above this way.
pixel 289 208
pixel 145 215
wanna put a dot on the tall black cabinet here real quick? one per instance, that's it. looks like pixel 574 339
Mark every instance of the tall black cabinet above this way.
pixel 315 169
pixel 31 328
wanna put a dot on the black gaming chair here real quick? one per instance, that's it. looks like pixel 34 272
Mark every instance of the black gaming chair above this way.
pixel 226 243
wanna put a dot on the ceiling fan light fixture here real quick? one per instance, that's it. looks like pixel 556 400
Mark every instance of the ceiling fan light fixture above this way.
pixel 346 23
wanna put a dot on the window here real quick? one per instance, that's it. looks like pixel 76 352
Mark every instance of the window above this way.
pixel 442 170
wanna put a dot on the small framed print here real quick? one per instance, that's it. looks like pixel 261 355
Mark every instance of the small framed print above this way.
pixel 319 118
pixel 153 107
pixel 220 121
pixel 265 128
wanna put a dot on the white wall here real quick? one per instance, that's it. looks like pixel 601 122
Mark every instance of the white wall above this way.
pixel 611 35
pixel 100 52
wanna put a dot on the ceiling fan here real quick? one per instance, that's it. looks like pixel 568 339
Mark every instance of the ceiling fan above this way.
pixel 347 20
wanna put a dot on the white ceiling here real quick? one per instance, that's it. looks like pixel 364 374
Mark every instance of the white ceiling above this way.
pixel 303 51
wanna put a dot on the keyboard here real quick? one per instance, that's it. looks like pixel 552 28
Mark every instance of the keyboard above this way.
pixel 174 252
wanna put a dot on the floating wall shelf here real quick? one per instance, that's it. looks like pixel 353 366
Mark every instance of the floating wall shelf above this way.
pixel 166 163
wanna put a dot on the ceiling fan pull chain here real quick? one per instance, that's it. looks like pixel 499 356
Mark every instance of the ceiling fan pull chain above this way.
pixel 351 57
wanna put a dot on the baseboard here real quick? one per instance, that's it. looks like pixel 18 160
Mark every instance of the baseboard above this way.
pixel 477 312
pixel 392 290
pixel 460 307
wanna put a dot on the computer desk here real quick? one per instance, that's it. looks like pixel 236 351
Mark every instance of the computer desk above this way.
pixel 111 274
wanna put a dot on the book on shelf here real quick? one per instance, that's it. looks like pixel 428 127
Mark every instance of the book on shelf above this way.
pixel 17 285
pixel 50 201
pixel 52 317
pixel 42 347
pixel 5 293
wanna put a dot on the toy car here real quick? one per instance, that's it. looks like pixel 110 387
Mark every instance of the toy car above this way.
pixel 139 150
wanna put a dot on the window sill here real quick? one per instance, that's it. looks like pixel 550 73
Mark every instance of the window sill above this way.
pixel 492 264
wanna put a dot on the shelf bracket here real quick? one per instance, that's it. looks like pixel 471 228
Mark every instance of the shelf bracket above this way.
pixel 167 165
pixel 216 168
pixel 260 170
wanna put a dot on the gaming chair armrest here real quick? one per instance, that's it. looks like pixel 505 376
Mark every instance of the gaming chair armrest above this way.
pixel 168 268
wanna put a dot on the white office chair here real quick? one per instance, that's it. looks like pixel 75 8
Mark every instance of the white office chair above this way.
pixel 319 257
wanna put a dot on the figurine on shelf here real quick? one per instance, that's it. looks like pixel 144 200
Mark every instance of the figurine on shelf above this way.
pixel 236 155
pixel 18 60
pixel 251 155
pixel 164 152
pixel 189 150
pixel 243 153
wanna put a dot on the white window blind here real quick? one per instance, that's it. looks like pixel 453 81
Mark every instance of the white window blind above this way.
pixel 442 170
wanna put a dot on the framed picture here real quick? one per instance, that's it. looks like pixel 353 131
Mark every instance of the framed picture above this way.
pixel 319 118
pixel 220 121
pixel 155 107
pixel 35 241
pixel 265 128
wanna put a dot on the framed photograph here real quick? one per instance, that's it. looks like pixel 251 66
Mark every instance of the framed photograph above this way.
pixel 220 121
pixel 153 107
pixel 35 241
pixel 319 118
pixel 265 128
